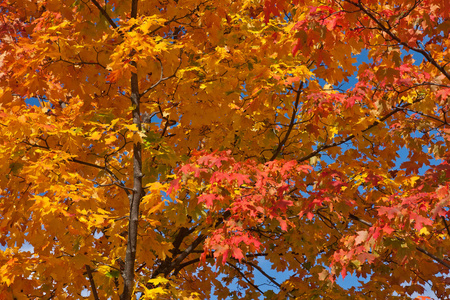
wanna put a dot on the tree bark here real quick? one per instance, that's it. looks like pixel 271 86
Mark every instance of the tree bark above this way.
pixel 138 191
pixel 135 197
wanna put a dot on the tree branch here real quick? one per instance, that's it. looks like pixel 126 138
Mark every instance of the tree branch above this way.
pixel 161 77
pixel 356 218
pixel 105 14
pixel 75 160
pixel 122 186
pixel 134 8
pixel 245 277
pixel 388 31
pixel 443 122
pixel 195 260
pixel 169 264
pixel 446 226
pixel 352 136
pixel 80 63
pixel 291 124
pixel 266 275
pixel 433 257
pixel 138 190
pixel 91 281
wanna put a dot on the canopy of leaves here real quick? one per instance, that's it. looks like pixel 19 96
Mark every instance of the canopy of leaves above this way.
pixel 176 147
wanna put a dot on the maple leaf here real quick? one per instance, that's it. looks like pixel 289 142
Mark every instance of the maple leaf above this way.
pixel 207 199
pixel 237 253
pixel 362 237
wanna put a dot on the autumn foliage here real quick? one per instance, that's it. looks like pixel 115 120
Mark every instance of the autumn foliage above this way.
pixel 168 149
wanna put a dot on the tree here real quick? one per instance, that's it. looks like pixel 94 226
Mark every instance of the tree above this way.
pixel 177 145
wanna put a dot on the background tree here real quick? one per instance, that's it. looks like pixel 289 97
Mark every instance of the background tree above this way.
pixel 177 142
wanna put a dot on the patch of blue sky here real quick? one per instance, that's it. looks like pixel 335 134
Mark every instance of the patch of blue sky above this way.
pixel 33 102
pixel 26 247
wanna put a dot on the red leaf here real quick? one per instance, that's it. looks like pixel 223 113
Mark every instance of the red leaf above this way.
pixel 207 199
pixel 296 47
pixel 344 273
pixel 387 229
pixel 362 237
pixel 270 7
pixel 175 185
pixel 237 253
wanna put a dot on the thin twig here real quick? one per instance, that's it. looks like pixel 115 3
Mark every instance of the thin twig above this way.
pixel 446 226
pixel 196 260
pixel 267 276
pixel 126 189
pixel 161 77
pixel 245 278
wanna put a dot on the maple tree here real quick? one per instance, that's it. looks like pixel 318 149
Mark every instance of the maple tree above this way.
pixel 178 146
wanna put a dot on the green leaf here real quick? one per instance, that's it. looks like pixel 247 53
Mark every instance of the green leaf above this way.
pixel 15 167
pixel 113 274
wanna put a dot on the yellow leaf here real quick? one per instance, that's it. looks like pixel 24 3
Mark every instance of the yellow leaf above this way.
pixel 156 207
pixel 158 280
pixel 132 127
pixel 111 139
pixel 152 293
pixel 151 21
pixel 114 122
pixel 413 180
pixel 95 136
pixel 155 186
pixel 103 269
pixel 424 231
